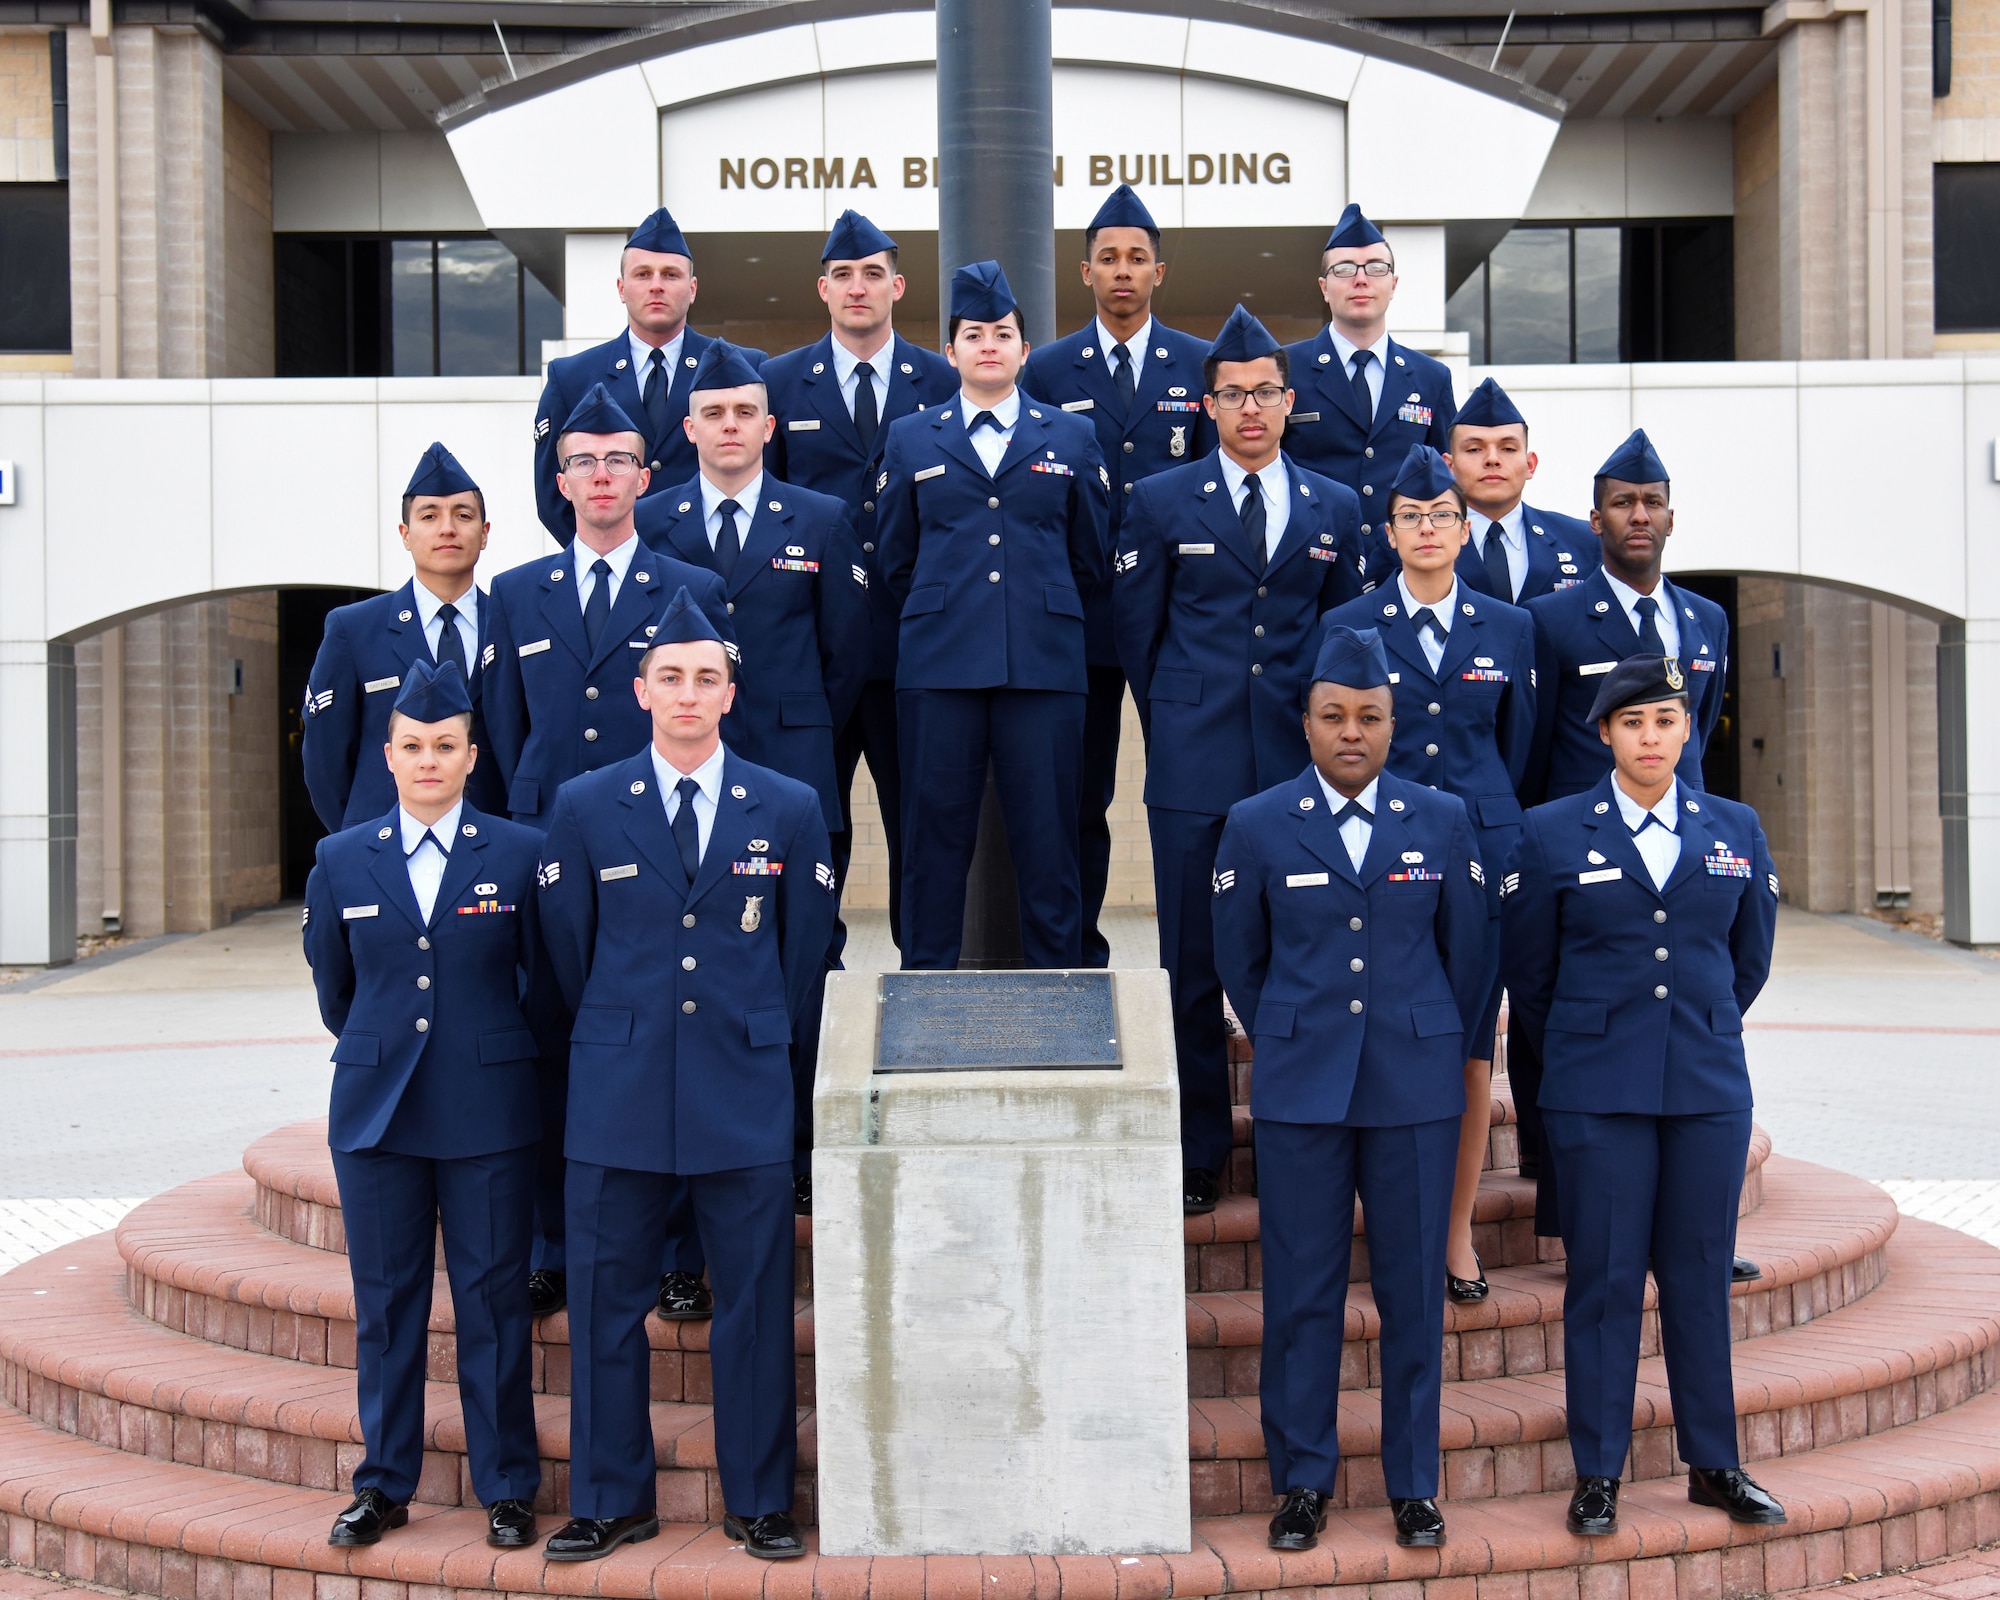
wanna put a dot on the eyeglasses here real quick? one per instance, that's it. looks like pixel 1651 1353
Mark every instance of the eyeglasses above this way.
pixel 1347 269
pixel 1443 521
pixel 619 463
pixel 1266 396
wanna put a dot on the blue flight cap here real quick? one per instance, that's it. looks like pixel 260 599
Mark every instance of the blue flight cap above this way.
pixel 724 366
pixel 1635 461
pixel 685 622
pixel 1352 657
pixel 1488 407
pixel 1423 475
pixel 1352 231
pixel 660 234
pixel 1243 338
pixel 980 292
pixel 1123 209
pixel 439 473
pixel 1639 681
pixel 854 238
pixel 432 693
pixel 597 412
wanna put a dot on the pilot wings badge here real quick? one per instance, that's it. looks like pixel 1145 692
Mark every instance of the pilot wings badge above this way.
pixel 1675 680
pixel 753 912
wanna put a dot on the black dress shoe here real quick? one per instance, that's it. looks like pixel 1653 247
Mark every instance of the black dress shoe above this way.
pixel 548 1292
pixel 1199 1191
pixel 510 1524
pixel 684 1298
pixel 594 1538
pixel 1733 1490
pixel 365 1521
pixel 1467 1291
pixel 771 1537
pixel 1743 1270
pixel 802 1194
pixel 1418 1522
pixel 1530 1166
pixel 1299 1520
pixel 1593 1509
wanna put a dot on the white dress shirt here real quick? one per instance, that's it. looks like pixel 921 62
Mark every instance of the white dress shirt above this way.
pixel 426 861
pixel 1377 375
pixel 991 446
pixel 1659 846
pixel 1274 484
pixel 1136 344
pixel 711 508
pixel 844 363
pixel 707 795
pixel 583 558
pixel 1446 609
pixel 1513 540
pixel 468 620
pixel 1354 833
pixel 1669 624
pixel 642 355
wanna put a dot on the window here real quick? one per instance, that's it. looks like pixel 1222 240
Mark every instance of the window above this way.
pixel 1967 227
pixel 34 267
pixel 370 306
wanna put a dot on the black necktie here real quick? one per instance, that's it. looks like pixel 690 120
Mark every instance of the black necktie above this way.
pixel 1353 808
pixel 658 381
pixel 1427 619
pixel 450 646
pixel 727 545
pixel 687 832
pixel 1252 511
pixel 866 418
pixel 597 609
pixel 1650 641
pixel 1497 573
pixel 1362 397
pixel 1128 388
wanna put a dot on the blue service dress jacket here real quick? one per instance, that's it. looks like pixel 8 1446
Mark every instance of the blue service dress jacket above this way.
pixel 554 706
pixel 816 447
pixel 686 996
pixel 1635 995
pixel 992 572
pixel 1581 633
pixel 1562 552
pixel 1357 988
pixel 367 648
pixel 1166 426
pixel 799 599
pixel 433 1055
pixel 1217 642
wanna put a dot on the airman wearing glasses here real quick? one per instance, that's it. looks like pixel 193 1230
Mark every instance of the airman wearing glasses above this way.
pixel 1364 399
pixel 1224 568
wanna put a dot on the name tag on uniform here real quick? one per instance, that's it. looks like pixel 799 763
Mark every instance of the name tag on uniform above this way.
pixel 928 472
pixel 1079 405
pixel 377 685
pixel 1395 677
pixel 1303 416
pixel 1604 875
pixel 804 427
pixel 1197 549
pixel 1306 880
pixel 356 913
pixel 1594 669
pixel 635 644
pixel 612 874
pixel 534 649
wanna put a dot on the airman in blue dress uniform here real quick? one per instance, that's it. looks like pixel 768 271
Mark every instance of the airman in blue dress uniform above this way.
pixel 645 370
pixel 1138 383
pixel 687 899
pixel 832 426
pixel 1363 398
pixel 370 646
pixel 1638 924
pixel 1224 568
pixel 1463 675
pixel 1533 552
pixel 420 928
pixel 1350 925
pixel 992 516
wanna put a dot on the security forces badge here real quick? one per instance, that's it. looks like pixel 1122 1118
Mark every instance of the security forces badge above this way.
pixel 1177 443
pixel 1675 680
pixel 753 913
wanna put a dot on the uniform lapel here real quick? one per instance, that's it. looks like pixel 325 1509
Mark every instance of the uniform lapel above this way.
pixel 391 868
pixel 1399 633
pixel 621 382
pixel 1029 435
pixel 406 639
pixel 462 864
pixel 634 600
pixel 1394 390
pixel 1094 378
pixel 484 630
pixel 902 384
pixel 1613 626
pixel 646 818
pixel 1338 383
pixel 1462 641
pixel 1155 377
pixel 1302 527
pixel 1611 839
pixel 686 535
pixel 560 607
pixel 1542 563
pixel 769 523
pixel 731 826
pixel 1388 838
pixel 828 403
pixel 1222 519
pixel 956 441
pixel 1472 571
pixel 1317 831
pixel 1693 637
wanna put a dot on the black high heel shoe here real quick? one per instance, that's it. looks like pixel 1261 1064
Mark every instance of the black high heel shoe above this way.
pixel 1467 1290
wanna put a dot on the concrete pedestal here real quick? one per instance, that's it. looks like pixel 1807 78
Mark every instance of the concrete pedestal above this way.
pixel 999 1310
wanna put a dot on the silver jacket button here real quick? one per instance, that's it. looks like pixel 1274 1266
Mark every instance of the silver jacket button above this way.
pixel 1660 993
pixel 688 1007
pixel 590 736
pixel 423 982
pixel 590 693
pixel 1659 916
pixel 688 920
pixel 1356 964
pixel 1354 1005
pixel 1660 954
pixel 1354 923
pixel 687 963
pixel 423 1024
pixel 992 502
pixel 423 943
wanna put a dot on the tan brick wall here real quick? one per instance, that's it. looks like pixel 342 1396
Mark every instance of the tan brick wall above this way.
pixel 27 121
pixel 1758 302
pixel 249 336
pixel 1975 61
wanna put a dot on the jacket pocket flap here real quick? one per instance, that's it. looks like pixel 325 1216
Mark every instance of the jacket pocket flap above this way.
pixel 929 597
pixel 768 1026
pixel 602 1025
pixel 1274 1020
pixel 358 1049
pixel 1436 1019
pixel 1577 1016
pixel 1498 810
pixel 506 1044
pixel 1061 599
pixel 804 711
pixel 525 795
pixel 1182 688
pixel 1725 1016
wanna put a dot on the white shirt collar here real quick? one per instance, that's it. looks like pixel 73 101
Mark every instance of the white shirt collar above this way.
pixel 1512 526
pixel 1446 609
pixel 711 497
pixel 707 777
pixel 1346 348
pixel 1136 344
pixel 446 828
pixel 1627 596
pixel 428 603
pixel 642 352
pixel 619 560
pixel 1272 480
pixel 1008 411
pixel 1336 799
pixel 1667 811
pixel 845 360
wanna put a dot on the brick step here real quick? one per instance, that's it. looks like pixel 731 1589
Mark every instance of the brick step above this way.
pixel 184 1532
pixel 76 1356
pixel 197 1263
